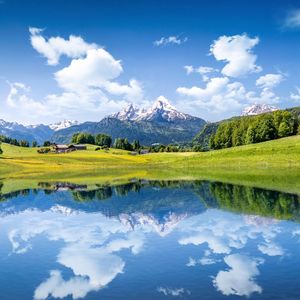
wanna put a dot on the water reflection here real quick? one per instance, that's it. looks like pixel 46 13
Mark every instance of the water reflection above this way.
pixel 151 240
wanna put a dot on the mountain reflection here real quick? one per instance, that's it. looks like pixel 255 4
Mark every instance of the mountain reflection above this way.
pixel 235 198
pixel 105 236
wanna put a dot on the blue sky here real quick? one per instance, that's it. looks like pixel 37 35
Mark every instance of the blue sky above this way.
pixel 136 51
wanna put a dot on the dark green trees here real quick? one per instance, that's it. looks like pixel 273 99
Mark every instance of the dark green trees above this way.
pixel 123 144
pixel 83 138
pixel 254 129
pixel 0 149
pixel 103 140
pixel 136 145
pixel 100 139
pixel 24 143
pixel 284 129
pixel 12 141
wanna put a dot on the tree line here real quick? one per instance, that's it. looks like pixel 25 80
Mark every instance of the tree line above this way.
pixel 255 129
pixel 105 141
pixel 15 142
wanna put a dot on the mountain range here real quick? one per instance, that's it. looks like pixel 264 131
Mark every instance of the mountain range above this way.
pixel 38 133
pixel 160 123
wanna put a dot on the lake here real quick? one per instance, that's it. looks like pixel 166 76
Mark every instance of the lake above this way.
pixel 149 240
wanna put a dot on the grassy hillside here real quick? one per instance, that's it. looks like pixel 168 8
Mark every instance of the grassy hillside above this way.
pixel 274 164
pixel 204 135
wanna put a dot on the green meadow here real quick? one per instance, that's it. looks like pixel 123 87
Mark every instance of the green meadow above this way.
pixel 274 165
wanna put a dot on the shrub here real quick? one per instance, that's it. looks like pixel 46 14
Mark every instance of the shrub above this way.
pixel 43 150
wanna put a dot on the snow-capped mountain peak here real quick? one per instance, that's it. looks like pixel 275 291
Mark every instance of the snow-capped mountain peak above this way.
pixel 63 124
pixel 257 109
pixel 162 103
pixel 130 112
pixel 161 110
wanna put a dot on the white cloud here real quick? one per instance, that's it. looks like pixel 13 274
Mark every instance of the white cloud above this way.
pixel 202 70
pixel 269 80
pixel 19 99
pixel 54 47
pixel 240 279
pixel 91 71
pixel 175 292
pixel 89 83
pixel 293 19
pixel 236 51
pixel 57 287
pixel 91 244
pixel 189 69
pixel 217 97
pixel 171 40
pixel 266 96
pixel 270 249
pixel 202 261
pixel 216 244
pixel 296 96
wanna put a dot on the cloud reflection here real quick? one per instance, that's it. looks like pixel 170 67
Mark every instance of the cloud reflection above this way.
pixel 239 279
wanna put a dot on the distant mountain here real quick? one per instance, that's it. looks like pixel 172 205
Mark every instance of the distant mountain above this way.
pixel 161 123
pixel 15 130
pixel 63 124
pixel 38 133
pixel 257 109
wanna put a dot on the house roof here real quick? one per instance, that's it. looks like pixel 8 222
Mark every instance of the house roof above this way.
pixel 61 146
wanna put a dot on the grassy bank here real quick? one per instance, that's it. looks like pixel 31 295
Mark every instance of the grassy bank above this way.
pixel 274 164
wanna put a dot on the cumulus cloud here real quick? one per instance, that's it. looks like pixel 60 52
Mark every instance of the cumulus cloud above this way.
pixel 269 80
pixel 90 249
pixel 54 47
pixel 55 286
pixel 89 83
pixel 293 19
pixel 91 71
pixel 236 51
pixel 240 279
pixel 217 97
pixel 19 99
pixel 171 40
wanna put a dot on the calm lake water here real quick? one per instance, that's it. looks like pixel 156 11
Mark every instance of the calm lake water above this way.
pixel 149 240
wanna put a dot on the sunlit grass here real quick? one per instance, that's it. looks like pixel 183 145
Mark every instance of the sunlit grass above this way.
pixel 274 164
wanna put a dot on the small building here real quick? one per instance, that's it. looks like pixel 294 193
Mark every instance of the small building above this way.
pixel 144 151
pixel 79 147
pixel 61 148
pixel 133 153
pixel 68 148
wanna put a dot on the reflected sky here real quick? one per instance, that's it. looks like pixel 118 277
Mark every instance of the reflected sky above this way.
pixel 159 243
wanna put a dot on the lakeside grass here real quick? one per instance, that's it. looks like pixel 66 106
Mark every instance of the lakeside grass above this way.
pixel 274 165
